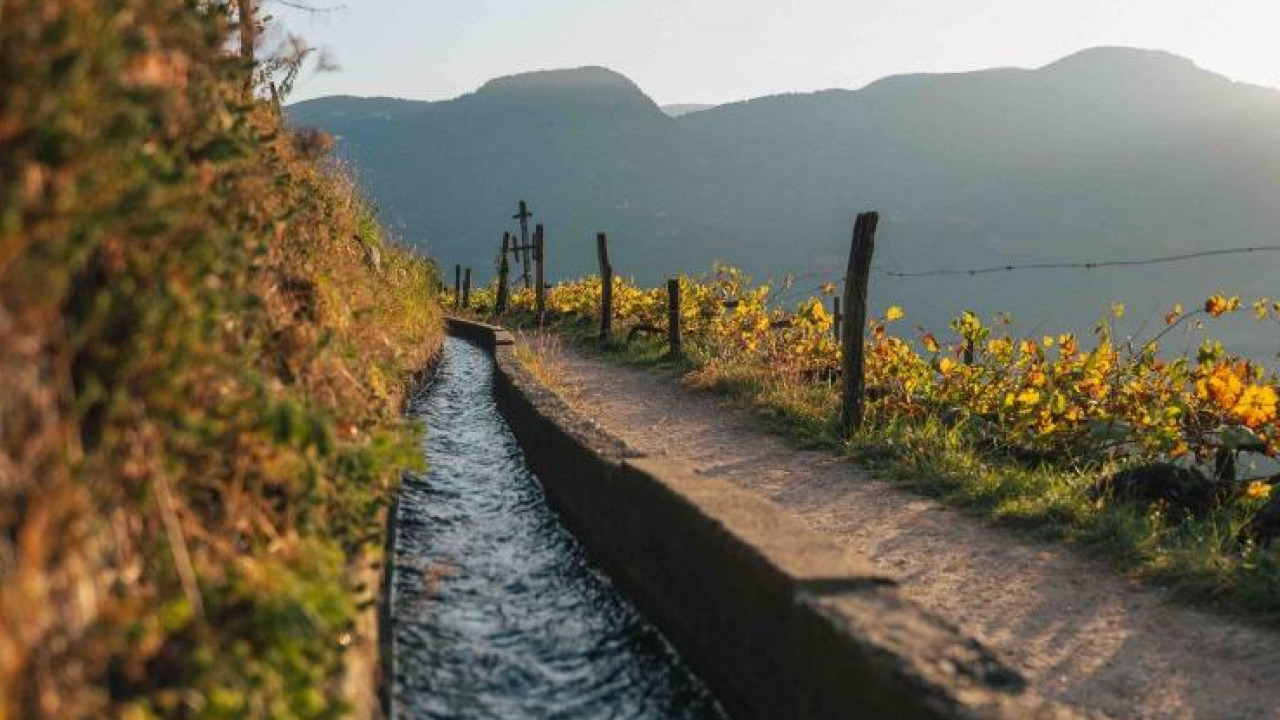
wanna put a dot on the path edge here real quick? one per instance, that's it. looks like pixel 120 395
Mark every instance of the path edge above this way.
pixel 778 619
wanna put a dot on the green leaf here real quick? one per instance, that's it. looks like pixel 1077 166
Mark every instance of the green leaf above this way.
pixel 1239 437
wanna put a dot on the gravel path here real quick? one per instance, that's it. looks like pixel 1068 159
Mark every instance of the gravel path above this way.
pixel 1082 633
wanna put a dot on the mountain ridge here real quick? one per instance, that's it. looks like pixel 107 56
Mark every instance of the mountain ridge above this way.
pixel 1103 154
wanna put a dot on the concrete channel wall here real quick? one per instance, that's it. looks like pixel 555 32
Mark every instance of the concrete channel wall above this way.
pixel 780 621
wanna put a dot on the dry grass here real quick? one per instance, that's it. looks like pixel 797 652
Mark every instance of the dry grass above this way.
pixel 543 355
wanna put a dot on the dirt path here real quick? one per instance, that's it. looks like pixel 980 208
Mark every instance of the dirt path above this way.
pixel 1082 633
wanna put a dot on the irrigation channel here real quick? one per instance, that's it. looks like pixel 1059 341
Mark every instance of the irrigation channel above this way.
pixel 496 611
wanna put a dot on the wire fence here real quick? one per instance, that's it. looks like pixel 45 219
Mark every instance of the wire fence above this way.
pixel 791 291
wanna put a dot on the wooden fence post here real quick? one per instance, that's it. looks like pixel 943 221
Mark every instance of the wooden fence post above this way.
pixel 466 289
pixel 836 318
pixel 855 320
pixel 673 318
pixel 540 289
pixel 457 286
pixel 606 288
pixel 504 269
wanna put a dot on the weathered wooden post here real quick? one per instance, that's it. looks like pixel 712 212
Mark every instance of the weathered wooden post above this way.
pixel 673 318
pixel 855 320
pixel 540 287
pixel 523 216
pixel 466 289
pixel 606 288
pixel 504 269
pixel 457 286
pixel 836 318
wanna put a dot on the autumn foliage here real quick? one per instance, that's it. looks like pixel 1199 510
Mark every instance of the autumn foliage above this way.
pixel 1080 407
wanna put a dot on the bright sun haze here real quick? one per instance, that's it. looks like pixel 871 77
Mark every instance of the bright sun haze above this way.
pixel 714 51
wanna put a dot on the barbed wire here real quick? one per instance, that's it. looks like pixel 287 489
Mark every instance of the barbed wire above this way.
pixel 790 291
pixel 1080 265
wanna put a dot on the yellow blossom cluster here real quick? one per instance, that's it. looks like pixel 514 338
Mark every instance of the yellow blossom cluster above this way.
pixel 1047 393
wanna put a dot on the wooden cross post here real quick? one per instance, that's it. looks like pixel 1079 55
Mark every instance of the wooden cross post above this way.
pixel 466 289
pixel 523 216
pixel 540 288
pixel 673 318
pixel 457 286
pixel 504 269
pixel 855 320
pixel 606 288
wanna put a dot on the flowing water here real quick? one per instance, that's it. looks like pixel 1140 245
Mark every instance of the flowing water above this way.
pixel 496 612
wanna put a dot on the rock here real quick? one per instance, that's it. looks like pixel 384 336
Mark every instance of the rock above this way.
pixel 1264 528
pixel 1180 488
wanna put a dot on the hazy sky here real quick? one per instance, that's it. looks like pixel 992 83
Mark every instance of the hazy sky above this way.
pixel 720 50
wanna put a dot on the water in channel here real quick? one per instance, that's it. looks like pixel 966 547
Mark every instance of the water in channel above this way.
pixel 496 613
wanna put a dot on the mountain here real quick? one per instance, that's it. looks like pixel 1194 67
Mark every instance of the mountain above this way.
pixel 680 109
pixel 1111 153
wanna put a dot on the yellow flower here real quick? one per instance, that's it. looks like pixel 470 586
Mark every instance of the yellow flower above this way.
pixel 1047 341
pixel 930 342
pixel 1257 405
pixel 1257 490
pixel 946 365
pixel 1067 345
pixel 1118 310
pixel 1029 397
pixel 1217 305
pixel 817 313
pixel 1037 378
pixel 1027 347
pixel 1223 386
pixel 829 288
pixel 1260 309
pixel 893 313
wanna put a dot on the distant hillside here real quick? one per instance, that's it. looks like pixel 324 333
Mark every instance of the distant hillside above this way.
pixel 1110 153
pixel 680 109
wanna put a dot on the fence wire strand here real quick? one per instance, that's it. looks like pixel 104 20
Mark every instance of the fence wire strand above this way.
pixel 1080 265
